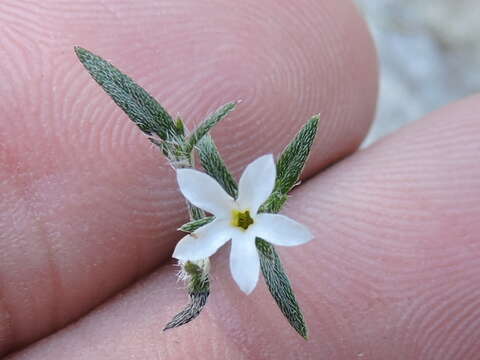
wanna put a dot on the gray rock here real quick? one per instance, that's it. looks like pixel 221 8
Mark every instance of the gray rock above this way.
pixel 429 56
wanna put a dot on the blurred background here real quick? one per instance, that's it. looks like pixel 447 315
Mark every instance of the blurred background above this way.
pixel 429 56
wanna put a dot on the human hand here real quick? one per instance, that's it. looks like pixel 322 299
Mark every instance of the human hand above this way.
pixel 88 206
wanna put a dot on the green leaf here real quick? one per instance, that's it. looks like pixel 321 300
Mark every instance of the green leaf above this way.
pixel 195 212
pixel 180 126
pixel 214 165
pixel 198 291
pixel 289 167
pixel 153 120
pixel 209 123
pixel 294 156
pixel 196 224
pixel 191 311
pixel 280 287
pixel 140 106
pixel 274 203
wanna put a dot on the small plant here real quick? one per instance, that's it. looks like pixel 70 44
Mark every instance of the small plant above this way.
pixel 244 212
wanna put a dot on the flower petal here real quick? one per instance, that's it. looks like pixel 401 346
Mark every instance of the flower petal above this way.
pixel 204 242
pixel 280 230
pixel 203 191
pixel 244 262
pixel 256 183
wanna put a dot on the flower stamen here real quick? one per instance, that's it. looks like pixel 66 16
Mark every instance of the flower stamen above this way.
pixel 241 219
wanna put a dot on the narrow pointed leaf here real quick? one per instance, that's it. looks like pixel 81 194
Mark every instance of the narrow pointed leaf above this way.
pixel 294 156
pixel 191 311
pixel 180 126
pixel 274 202
pixel 140 106
pixel 196 224
pixel 280 287
pixel 154 121
pixel 209 123
pixel 198 291
pixel 214 165
pixel 289 167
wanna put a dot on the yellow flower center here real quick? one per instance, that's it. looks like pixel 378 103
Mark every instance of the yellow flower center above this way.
pixel 241 219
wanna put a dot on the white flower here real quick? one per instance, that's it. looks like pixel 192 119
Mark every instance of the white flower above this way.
pixel 237 220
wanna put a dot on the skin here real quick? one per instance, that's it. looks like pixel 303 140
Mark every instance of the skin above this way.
pixel 89 209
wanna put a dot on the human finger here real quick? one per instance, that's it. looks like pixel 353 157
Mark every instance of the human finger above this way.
pixel 87 205
pixel 391 274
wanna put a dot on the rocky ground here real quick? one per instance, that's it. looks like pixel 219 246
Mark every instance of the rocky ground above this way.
pixel 429 54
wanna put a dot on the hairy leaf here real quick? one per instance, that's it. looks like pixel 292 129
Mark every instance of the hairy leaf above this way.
pixel 274 203
pixel 293 158
pixel 214 165
pixel 140 106
pixel 154 121
pixel 198 291
pixel 191 311
pixel 280 286
pixel 196 224
pixel 209 123
pixel 289 167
